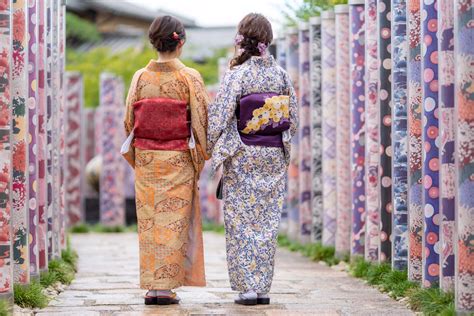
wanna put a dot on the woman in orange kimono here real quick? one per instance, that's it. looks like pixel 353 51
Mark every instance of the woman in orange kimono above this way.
pixel 167 114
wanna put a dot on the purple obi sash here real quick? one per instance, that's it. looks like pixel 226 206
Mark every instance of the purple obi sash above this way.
pixel 262 117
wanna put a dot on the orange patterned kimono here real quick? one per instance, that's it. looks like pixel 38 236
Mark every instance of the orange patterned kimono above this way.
pixel 167 199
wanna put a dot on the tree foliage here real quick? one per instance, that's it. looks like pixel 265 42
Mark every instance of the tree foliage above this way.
pixel 308 8
pixel 92 63
pixel 79 30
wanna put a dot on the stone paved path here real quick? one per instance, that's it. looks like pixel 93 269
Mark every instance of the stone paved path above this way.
pixel 107 284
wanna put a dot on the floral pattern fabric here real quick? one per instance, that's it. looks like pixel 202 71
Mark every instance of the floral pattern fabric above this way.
pixel 415 206
pixel 343 139
pixel 6 269
pixel 447 129
pixel 254 177
pixel 316 133
pixel 399 136
pixel 329 127
pixel 464 103
pixel 431 246
pixel 372 235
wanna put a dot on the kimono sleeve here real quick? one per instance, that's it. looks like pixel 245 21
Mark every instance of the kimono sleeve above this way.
pixel 199 101
pixel 132 97
pixel 222 110
pixel 294 120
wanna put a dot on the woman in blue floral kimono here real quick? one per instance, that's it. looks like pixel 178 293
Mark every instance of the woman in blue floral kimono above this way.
pixel 250 127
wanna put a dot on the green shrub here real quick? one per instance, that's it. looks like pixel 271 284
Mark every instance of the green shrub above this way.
pixel 4 308
pixel 212 227
pixel 80 229
pixel 64 272
pixel 48 278
pixel 431 301
pixel 30 295
pixel 376 273
pixel 359 267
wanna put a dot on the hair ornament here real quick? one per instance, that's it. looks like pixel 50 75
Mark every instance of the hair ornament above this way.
pixel 262 48
pixel 176 36
pixel 238 39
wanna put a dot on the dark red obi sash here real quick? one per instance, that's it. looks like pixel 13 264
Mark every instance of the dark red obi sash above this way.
pixel 162 124
pixel 262 117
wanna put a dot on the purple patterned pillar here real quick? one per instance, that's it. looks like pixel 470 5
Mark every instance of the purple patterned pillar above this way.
pixel 6 268
pixel 429 71
pixel 329 126
pixel 385 130
pixel 447 128
pixel 49 128
pixel 62 121
pixel 399 136
pixel 33 134
pixel 464 104
pixel 292 66
pixel 343 139
pixel 415 205
pixel 56 132
pixel 372 153
pixel 305 162
pixel 42 143
pixel 73 150
pixel 316 133
pixel 112 207
pixel 89 145
pixel 357 104
pixel 19 93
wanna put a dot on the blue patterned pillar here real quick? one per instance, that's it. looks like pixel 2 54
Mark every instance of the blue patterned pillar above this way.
pixel 399 136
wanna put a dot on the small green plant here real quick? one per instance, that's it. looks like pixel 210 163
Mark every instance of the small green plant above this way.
pixel 4 309
pixel 80 229
pixel 30 295
pixel 48 278
pixel 359 267
pixel 431 301
pixel 376 273
pixel 64 272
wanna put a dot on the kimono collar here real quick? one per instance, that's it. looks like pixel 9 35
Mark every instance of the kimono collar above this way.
pixel 267 61
pixel 167 66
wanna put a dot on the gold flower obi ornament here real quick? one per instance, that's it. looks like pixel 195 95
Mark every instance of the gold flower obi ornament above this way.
pixel 262 117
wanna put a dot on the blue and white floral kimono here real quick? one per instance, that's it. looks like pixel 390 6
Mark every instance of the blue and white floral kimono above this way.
pixel 251 123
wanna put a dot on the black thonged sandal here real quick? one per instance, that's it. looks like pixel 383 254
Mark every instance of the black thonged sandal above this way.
pixel 150 300
pixel 167 300
pixel 263 301
pixel 241 300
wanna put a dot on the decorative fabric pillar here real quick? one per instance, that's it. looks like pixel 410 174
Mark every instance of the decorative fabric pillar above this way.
pixel 6 269
pixel 447 129
pixel 56 124
pixel 329 126
pixel 372 153
pixel 305 160
pixel 292 66
pixel 357 84
pixel 281 59
pixel 42 143
pixel 343 139
pixel 464 102
pixel 385 139
pixel 49 124
pixel 112 207
pixel 73 144
pixel 281 52
pixel 20 209
pixel 415 186
pixel 429 70
pixel 32 135
pixel 89 145
pixel 316 133
pixel 62 120
pixel 399 136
